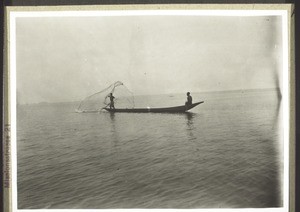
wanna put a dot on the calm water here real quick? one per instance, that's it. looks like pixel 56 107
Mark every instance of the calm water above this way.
pixel 224 153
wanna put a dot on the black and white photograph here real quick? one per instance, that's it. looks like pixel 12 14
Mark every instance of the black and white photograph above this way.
pixel 150 109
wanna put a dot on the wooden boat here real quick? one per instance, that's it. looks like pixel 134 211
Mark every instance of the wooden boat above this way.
pixel 177 109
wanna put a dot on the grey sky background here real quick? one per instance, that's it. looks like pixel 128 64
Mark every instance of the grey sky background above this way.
pixel 62 59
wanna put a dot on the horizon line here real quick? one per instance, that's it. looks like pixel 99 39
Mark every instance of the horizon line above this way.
pixel 212 91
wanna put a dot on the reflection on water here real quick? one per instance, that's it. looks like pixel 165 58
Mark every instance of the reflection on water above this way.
pixel 190 116
pixel 112 117
pixel 114 133
pixel 189 125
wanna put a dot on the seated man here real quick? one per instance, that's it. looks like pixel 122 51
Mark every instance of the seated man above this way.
pixel 189 99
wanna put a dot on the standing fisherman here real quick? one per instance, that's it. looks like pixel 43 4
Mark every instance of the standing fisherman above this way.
pixel 112 103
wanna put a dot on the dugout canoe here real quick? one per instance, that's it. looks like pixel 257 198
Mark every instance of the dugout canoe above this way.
pixel 177 109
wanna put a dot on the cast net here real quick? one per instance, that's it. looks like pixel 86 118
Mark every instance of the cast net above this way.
pixel 96 102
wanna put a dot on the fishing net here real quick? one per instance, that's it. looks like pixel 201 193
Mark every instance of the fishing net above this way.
pixel 96 102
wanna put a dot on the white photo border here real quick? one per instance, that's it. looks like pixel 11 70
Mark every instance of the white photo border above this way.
pixel 13 15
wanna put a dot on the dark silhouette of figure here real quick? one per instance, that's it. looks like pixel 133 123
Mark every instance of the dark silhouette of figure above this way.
pixel 112 103
pixel 189 99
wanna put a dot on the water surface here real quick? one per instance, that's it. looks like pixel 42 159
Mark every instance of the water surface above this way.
pixel 223 153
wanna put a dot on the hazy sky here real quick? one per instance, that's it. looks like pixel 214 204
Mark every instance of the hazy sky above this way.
pixel 69 58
